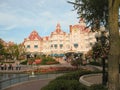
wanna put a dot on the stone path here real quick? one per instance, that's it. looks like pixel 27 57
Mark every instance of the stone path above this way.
pixel 94 79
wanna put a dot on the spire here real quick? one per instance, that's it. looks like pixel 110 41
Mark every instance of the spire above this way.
pixel 58 28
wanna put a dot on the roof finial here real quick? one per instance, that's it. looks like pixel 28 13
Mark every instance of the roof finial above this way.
pixel 58 26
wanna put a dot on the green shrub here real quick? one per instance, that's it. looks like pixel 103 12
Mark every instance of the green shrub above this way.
pixel 64 85
pixel 48 60
pixel 97 87
pixel 95 63
pixel 24 62
pixel 70 81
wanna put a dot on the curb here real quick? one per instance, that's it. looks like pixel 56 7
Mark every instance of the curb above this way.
pixel 81 80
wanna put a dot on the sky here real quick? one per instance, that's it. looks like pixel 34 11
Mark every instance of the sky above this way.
pixel 18 18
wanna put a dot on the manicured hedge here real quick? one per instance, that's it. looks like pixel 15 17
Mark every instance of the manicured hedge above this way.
pixel 70 81
pixel 24 62
pixel 95 63
pixel 97 87
pixel 48 60
pixel 73 75
pixel 64 85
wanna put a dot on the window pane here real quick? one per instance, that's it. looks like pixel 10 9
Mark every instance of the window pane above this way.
pixel 55 46
pixel 61 45
pixel 28 46
pixel 75 45
pixel 35 46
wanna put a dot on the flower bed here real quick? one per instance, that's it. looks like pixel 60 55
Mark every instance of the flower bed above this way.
pixel 53 69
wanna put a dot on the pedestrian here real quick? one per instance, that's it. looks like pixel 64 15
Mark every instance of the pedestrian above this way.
pixel 19 67
pixel 11 66
pixel 16 66
pixel 2 66
pixel 5 66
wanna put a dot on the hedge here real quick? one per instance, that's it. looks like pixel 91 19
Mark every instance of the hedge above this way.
pixel 70 81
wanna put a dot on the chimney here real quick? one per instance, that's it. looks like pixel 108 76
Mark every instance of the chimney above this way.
pixel 70 28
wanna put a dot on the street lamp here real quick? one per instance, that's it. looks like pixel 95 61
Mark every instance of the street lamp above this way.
pixel 103 42
pixel 102 38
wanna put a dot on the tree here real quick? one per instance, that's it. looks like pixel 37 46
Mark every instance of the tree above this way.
pixel 21 50
pixel 15 51
pixel 75 59
pixel 2 50
pixel 104 12
pixel 114 56
pixel 94 12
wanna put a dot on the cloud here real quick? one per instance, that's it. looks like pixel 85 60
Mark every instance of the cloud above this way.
pixel 8 28
pixel 35 14
pixel 2 5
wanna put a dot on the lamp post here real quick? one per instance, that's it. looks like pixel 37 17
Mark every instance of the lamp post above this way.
pixel 103 40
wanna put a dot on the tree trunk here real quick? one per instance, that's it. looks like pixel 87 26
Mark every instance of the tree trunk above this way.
pixel 113 63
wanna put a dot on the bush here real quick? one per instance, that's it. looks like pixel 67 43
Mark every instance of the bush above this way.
pixel 70 81
pixel 64 85
pixel 97 87
pixel 95 63
pixel 48 60
pixel 24 62
pixel 45 60
pixel 74 75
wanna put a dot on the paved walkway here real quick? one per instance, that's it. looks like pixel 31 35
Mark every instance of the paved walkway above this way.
pixel 94 79
pixel 91 79
pixel 31 85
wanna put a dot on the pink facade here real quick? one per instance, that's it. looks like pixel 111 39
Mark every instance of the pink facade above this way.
pixel 79 39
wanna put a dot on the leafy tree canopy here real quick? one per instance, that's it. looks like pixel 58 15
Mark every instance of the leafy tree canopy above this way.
pixel 95 12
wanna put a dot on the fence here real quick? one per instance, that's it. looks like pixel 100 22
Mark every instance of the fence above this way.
pixel 14 80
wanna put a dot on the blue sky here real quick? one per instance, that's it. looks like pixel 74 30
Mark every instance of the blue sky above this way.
pixel 18 18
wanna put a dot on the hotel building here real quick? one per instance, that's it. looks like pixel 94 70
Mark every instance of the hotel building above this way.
pixel 79 40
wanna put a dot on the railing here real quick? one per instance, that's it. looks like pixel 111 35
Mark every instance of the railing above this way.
pixel 11 81
pixel 15 80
